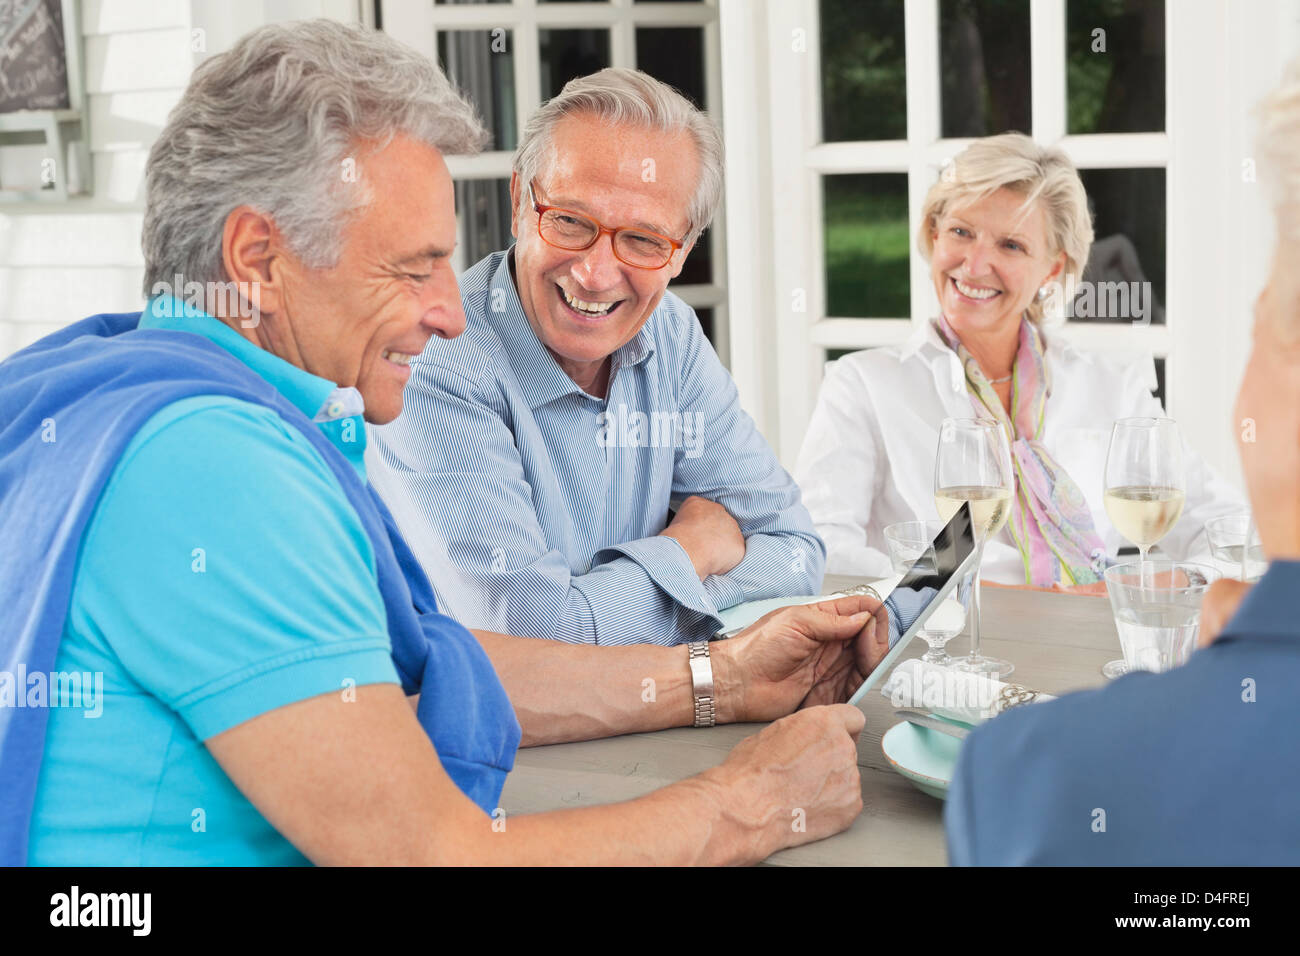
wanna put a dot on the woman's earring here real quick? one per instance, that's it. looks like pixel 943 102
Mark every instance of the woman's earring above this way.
pixel 1042 293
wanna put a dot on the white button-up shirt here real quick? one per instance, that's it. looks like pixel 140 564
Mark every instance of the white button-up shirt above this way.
pixel 868 458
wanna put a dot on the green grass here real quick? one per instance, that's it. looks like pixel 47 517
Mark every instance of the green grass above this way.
pixel 867 238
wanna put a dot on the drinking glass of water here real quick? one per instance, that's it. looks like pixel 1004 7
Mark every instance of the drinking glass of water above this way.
pixel 1145 487
pixel 913 541
pixel 1234 543
pixel 1157 607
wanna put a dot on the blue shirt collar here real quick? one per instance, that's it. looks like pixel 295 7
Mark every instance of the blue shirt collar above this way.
pixel 1269 608
pixel 322 401
pixel 540 377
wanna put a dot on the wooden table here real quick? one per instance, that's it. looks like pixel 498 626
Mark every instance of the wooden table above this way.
pixel 1057 642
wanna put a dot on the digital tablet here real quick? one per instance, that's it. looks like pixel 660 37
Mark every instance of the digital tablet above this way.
pixel 925 586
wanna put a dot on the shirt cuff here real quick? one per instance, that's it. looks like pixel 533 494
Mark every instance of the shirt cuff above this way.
pixel 666 563
pixel 723 592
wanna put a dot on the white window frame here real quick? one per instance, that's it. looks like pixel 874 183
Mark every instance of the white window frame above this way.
pixel 1219 58
pixel 417 24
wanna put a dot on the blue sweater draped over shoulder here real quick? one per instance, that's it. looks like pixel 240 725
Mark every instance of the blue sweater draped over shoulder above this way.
pixel 69 406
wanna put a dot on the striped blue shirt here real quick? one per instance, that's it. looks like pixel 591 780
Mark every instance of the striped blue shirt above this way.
pixel 536 508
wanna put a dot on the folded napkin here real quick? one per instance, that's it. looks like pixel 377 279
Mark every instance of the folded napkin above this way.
pixel 953 694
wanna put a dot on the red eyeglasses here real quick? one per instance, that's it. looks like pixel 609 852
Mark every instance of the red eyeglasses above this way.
pixel 566 229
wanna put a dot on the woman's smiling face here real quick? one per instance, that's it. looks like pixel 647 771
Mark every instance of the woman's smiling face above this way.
pixel 990 258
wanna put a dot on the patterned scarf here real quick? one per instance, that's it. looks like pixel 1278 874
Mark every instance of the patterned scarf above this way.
pixel 1052 524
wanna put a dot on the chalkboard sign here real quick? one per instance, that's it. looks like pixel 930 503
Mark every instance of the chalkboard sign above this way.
pixel 33 59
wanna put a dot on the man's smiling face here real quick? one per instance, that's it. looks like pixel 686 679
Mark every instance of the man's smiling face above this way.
pixel 360 322
pixel 584 305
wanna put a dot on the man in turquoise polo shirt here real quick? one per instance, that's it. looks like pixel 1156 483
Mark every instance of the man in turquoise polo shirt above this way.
pixel 231 586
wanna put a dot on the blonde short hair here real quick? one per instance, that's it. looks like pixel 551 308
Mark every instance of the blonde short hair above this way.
pixel 1016 162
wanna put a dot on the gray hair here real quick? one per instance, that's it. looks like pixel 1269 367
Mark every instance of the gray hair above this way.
pixel 271 123
pixel 1278 147
pixel 617 96
pixel 1038 173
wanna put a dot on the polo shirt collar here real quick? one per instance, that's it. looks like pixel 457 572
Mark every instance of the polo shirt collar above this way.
pixel 540 377
pixel 324 402
pixel 1268 609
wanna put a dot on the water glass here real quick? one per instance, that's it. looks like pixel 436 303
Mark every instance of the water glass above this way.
pixel 1157 610
pixel 910 542
pixel 1236 556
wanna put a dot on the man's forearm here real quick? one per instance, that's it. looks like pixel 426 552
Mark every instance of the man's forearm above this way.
pixel 688 823
pixel 564 692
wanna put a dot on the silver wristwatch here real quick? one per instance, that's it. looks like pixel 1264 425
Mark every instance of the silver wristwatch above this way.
pixel 702 683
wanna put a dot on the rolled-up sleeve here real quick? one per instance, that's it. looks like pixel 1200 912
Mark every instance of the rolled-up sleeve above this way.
pixel 732 464
pixel 451 471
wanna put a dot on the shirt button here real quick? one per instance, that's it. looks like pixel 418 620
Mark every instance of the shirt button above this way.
pixel 334 409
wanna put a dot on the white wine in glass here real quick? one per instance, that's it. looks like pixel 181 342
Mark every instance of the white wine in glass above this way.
pixel 973 464
pixel 1144 514
pixel 1145 488
pixel 989 506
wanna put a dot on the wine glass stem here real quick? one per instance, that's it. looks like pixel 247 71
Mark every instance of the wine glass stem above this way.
pixel 975 603
pixel 1144 573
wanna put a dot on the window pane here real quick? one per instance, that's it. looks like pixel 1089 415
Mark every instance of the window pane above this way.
pixel 1115 76
pixel 864 81
pixel 482 64
pixel 867 236
pixel 984 62
pixel 676 56
pixel 483 214
pixel 1125 277
pixel 699 264
pixel 705 314
pixel 566 54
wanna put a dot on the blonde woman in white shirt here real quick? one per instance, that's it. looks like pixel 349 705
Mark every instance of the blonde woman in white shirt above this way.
pixel 1003 230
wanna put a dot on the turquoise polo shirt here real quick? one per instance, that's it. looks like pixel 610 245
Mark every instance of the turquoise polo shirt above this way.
pixel 222 575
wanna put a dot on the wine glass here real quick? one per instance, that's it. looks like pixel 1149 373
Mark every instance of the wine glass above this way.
pixel 911 542
pixel 1145 489
pixel 973 464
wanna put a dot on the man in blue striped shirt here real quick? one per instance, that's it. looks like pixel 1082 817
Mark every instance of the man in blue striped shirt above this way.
pixel 539 454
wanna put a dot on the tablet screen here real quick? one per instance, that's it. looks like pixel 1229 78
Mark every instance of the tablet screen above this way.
pixel 926 585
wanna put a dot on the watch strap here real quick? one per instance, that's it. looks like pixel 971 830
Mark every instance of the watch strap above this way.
pixel 702 683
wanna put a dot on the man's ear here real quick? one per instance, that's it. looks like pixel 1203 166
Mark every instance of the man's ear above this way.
pixel 515 191
pixel 680 256
pixel 252 253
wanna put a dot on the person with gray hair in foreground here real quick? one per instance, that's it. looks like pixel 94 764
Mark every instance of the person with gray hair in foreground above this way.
pixel 1195 766
pixel 183 493
pixel 540 458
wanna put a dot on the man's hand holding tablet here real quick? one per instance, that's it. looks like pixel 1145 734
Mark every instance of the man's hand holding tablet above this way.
pixel 800 656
